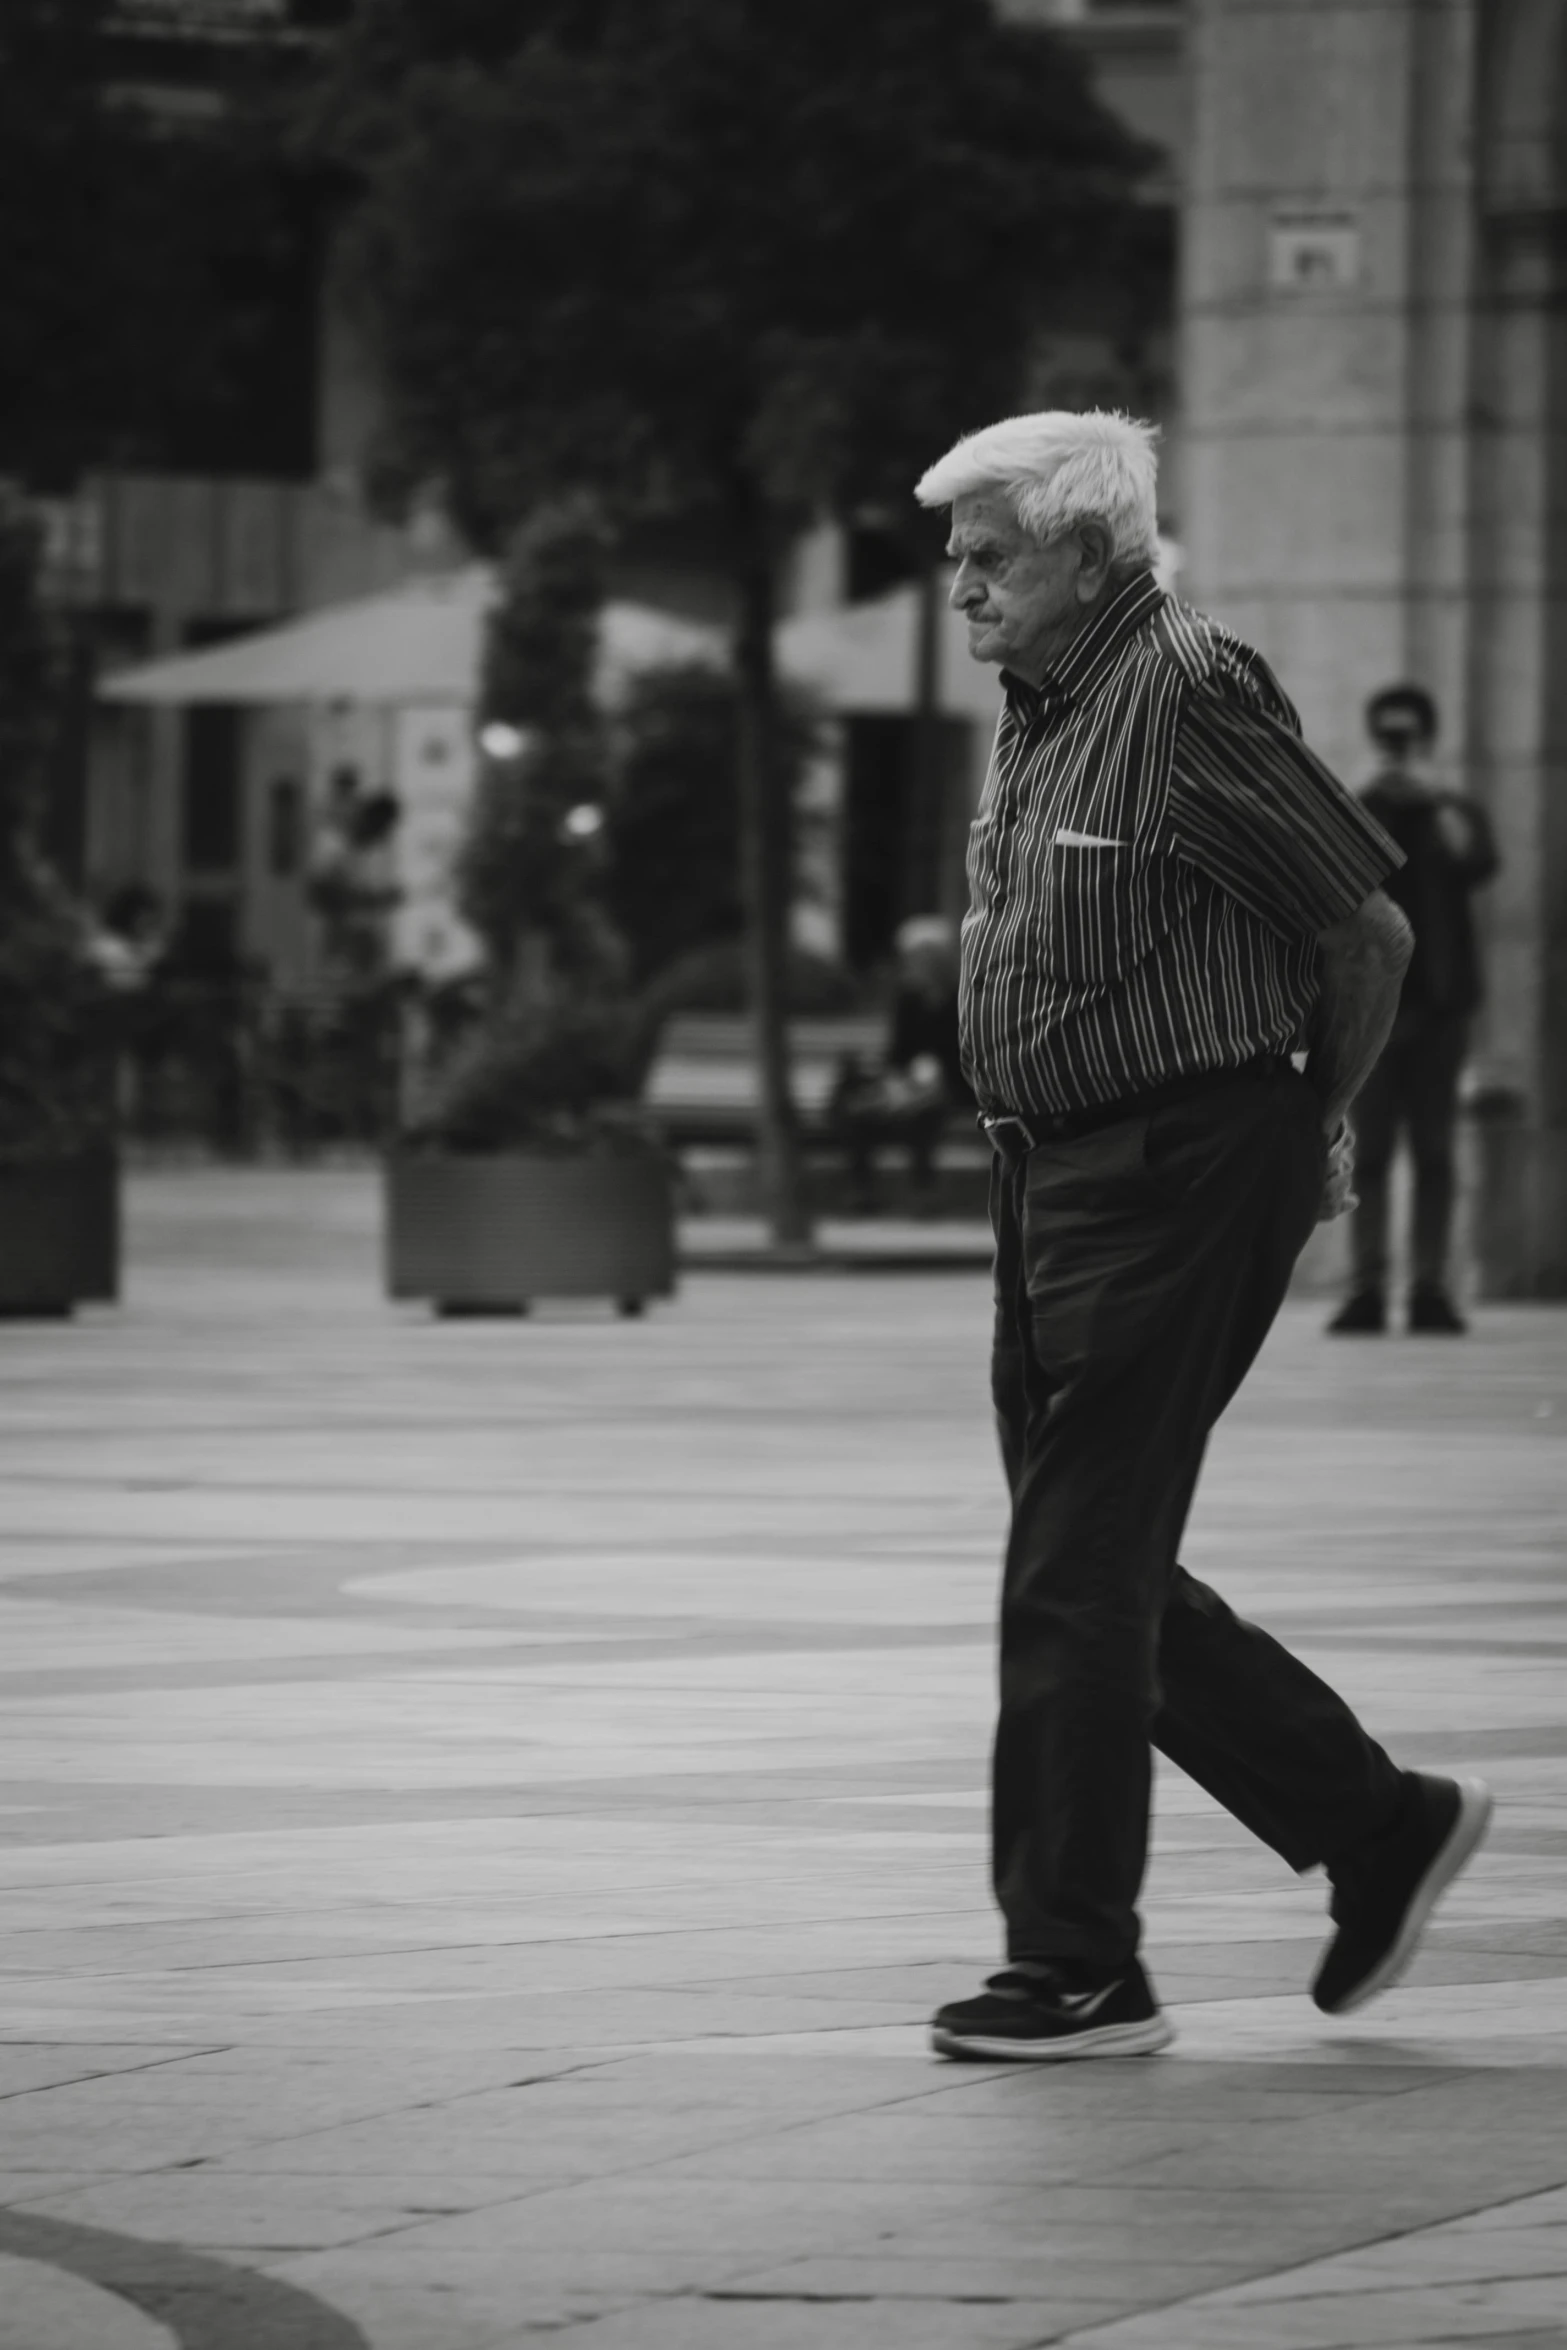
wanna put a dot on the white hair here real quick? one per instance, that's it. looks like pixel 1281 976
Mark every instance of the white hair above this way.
pixel 1059 468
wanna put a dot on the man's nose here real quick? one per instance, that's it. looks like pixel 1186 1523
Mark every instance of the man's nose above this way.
pixel 966 588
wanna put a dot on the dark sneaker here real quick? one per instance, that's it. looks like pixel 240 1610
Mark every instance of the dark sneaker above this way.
pixel 1364 1312
pixel 1434 1310
pixel 1035 2012
pixel 1384 1893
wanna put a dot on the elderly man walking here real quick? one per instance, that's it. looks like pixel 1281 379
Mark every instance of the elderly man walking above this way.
pixel 1172 899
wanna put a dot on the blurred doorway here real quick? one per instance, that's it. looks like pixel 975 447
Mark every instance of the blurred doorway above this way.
pixel 901 775
pixel 211 823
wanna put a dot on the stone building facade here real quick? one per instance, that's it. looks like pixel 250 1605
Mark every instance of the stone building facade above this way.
pixel 1374 434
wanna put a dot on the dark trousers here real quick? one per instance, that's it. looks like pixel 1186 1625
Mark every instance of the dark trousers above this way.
pixel 1414 1090
pixel 1138 1270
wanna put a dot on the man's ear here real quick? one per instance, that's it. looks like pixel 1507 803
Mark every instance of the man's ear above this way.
pixel 1097 549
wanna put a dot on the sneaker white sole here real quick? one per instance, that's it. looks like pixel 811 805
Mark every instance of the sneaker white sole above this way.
pixel 1464 1838
pixel 1144 2039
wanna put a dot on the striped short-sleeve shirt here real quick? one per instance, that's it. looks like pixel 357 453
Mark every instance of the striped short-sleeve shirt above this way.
pixel 1154 854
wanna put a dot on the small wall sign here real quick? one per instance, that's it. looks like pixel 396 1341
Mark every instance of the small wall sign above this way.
pixel 1312 251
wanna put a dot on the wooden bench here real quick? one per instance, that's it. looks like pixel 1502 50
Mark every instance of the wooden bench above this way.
pixel 702 1085
pixel 702 1092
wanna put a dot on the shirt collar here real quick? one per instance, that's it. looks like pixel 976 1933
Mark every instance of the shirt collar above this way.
pixel 1091 652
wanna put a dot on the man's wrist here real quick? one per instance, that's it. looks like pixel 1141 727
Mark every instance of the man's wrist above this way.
pixel 1334 1104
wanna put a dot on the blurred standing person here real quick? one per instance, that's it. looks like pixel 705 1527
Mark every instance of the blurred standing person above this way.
pixel 1170 896
pixel 1448 852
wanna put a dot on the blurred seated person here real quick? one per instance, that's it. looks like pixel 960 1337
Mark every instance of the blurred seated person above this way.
pixel 127 945
pixel 352 886
pixel 907 1101
pixel 128 940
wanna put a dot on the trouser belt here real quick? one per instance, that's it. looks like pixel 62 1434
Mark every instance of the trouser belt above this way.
pixel 1014 1135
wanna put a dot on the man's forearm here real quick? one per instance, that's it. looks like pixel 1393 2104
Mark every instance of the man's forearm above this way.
pixel 1463 833
pixel 1361 965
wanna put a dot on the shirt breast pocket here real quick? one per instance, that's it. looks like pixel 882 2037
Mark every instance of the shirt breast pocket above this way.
pixel 1088 907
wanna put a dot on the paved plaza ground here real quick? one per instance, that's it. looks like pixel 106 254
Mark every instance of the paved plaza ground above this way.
pixel 488 1808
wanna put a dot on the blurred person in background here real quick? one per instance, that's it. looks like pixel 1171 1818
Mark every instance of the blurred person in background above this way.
pixel 353 887
pixel 128 945
pixel 909 1100
pixel 1413 1090
pixel 1170 897
pixel 129 939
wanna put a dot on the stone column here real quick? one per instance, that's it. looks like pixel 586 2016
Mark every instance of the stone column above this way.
pixel 1518 565
pixel 1375 381
pixel 1325 321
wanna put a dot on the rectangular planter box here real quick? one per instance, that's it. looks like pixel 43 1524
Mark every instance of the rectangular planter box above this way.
pixel 491 1233
pixel 59 1233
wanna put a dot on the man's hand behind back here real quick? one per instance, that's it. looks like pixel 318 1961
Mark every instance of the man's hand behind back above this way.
pixel 1338 1180
pixel 1360 968
pixel 1456 829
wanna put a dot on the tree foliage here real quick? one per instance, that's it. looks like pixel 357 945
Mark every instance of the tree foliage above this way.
pixel 557 1038
pixel 155 274
pixel 29 687
pixel 526 879
pixel 54 1079
pixel 715 253
pixel 673 841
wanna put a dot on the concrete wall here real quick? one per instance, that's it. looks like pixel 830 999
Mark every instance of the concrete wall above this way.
pixel 1519 584
pixel 1374 272
pixel 1325 311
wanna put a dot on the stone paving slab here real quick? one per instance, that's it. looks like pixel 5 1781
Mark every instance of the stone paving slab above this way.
pixel 49 2309
pixel 485 1810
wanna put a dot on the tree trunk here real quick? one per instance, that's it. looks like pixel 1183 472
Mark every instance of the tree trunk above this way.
pixel 922 853
pixel 765 881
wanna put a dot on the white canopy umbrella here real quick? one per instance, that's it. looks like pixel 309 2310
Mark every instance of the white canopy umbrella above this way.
pixel 416 645
pixel 864 658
